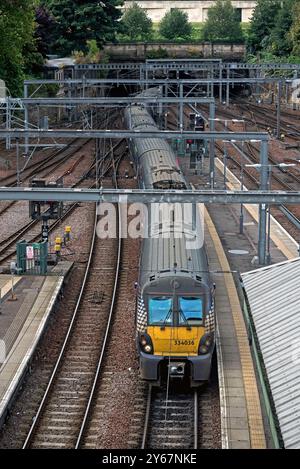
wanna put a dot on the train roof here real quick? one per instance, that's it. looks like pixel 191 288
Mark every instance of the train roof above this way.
pixel 156 158
pixel 173 246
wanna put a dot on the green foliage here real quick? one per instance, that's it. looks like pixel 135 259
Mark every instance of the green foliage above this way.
pixel 136 23
pixel 175 24
pixel 294 35
pixel 16 41
pixel 262 23
pixel 94 54
pixel 274 33
pixel 44 30
pixel 279 42
pixel 222 23
pixel 78 21
pixel 160 53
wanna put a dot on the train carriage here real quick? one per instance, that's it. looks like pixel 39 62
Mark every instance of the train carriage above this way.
pixel 175 317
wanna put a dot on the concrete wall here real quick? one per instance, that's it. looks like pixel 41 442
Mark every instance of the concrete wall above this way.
pixel 127 51
pixel 196 10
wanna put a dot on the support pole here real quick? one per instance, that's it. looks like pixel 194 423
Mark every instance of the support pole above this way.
pixel 242 188
pixel 141 74
pixel 146 75
pixel 220 85
pixel 18 161
pixel 181 107
pixel 207 85
pixel 8 122
pixel 69 96
pixel 227 88
pixel 26 119
pixel 212 94
pixel 212 112
pixel 263 207
pixel 279 94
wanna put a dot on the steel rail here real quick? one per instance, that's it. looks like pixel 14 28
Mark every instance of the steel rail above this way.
pixel 196 419
pixel 107 331
pixel 147 417
pixel 54 374
pixel 14 237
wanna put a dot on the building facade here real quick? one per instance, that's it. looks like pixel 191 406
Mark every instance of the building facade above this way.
pixel 196 10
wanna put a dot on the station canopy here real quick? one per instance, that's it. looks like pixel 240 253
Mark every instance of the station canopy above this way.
pixel 273 294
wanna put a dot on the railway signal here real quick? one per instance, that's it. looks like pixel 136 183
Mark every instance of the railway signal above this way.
pixel 45 211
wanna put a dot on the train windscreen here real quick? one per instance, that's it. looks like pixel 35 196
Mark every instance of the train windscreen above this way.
pixel 160 310
pixel 191 309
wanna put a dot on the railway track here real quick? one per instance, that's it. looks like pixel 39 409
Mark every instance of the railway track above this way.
pixel 27 403
pixel 63 412
pixel 49 164
pixel 256 113
pixel 288 217
pixel 182 418
pixel 171 420
pixel 114 377
pixel 33 228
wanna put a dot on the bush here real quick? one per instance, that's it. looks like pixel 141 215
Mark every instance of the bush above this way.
pixel 175 25
pixel 94 55
pixel 222 23
pixel 160 53
pixel 136 24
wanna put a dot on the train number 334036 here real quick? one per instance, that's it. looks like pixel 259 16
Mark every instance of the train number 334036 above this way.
pixel 184 342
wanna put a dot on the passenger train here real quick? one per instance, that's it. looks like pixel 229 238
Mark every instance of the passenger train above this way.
pixel 175 318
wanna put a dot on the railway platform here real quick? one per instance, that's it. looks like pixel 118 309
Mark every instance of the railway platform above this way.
pixel 283 246
pixel 230 253
pixel 242 424
pixel 23 317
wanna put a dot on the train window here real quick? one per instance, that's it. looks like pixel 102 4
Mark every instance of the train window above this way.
pixel 160 310
pixel 190 309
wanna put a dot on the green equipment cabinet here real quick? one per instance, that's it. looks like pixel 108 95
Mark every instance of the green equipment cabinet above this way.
pixel 178 146
pixel 32 258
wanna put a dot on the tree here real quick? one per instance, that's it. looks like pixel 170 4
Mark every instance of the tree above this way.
pixel 78 21
pixel 175 25
pixel 294 34
pixel 279 42
pixel 222 23
pixel 44 32
pixel 16 39
pixel 136 23
pixel 262 23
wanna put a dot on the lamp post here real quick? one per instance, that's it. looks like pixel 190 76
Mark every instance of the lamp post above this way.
pixel 259 166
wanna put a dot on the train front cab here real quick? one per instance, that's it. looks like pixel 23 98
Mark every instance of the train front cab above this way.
pixel 178 341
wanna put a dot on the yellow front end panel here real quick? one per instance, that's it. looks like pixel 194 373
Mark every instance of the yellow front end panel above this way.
pixel 179 341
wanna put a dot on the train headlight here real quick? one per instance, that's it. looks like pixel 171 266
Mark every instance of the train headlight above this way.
pixel 143 341
pixel 203 349
pixel 206 343
pixel 146 343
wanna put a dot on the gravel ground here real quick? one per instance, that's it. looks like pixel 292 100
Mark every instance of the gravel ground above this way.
pixel 17 216
pixel 14 432
pixel 114 403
